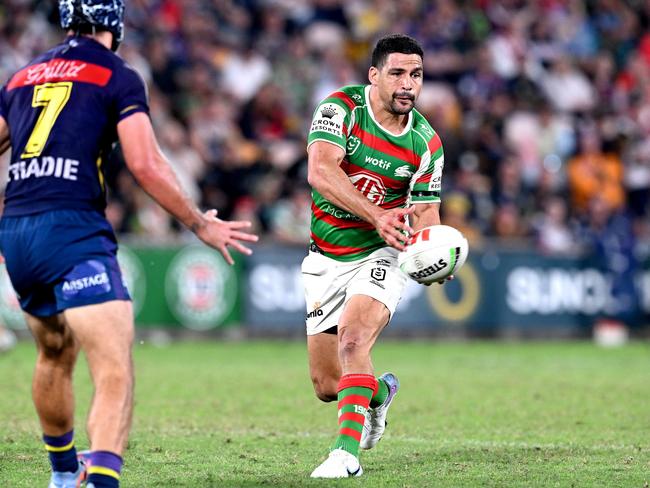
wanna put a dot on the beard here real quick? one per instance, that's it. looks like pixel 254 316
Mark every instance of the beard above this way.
pixel 397 105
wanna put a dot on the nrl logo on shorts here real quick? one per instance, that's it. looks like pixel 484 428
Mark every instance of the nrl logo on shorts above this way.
pixel 353 144
pixel 328 111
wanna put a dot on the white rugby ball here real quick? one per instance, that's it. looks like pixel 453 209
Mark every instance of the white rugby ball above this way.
pixel 433 254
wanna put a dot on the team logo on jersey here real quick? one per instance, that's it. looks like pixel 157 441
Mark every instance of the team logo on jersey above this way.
pixel 201 288
pixel 404 171
pixel 353 144
pixel 356 97
pixel 370 185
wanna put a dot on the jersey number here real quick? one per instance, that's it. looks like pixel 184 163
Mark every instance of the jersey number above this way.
pixel 53 97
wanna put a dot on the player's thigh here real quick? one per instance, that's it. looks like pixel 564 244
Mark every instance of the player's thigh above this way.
pixel 373 294
pixel 363 318
pixel 105 332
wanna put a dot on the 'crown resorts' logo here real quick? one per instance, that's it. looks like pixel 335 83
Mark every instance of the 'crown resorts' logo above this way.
pixel 328 111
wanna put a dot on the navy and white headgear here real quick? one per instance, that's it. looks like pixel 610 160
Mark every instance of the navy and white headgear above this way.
pixel 106 14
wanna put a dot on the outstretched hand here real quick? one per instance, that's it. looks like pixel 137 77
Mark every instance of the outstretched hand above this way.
pixel 221 234
pixel 392 227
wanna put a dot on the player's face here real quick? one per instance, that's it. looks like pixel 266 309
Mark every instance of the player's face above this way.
pixel 398 82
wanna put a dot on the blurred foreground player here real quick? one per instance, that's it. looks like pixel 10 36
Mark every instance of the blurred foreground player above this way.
pixel 61 115
pixel 373 161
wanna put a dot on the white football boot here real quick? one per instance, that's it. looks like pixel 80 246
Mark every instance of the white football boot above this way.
pixel 375 424
pixel 339 464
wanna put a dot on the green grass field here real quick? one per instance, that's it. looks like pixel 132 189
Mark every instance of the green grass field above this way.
pixel 476 414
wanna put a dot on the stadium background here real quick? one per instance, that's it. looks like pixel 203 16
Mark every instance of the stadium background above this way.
pixel 543 108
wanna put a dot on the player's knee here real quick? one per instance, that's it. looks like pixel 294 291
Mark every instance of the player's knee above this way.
pixel 324 388
pixel 57 346
pixel 353 343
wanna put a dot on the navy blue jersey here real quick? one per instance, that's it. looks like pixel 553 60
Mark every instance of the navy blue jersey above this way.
pixel 62 111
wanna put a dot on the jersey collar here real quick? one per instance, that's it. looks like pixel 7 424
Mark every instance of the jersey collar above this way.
pixel 372 116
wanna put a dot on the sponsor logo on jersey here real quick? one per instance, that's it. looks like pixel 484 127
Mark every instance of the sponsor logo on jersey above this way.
pixel 338 213
pixel 61 69
pixel 330 120
pixel 370 185
pixel 381 163
pixel 404 171
pixel 356 97
pixel 46 166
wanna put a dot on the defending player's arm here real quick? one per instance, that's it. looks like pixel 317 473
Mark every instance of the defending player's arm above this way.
pixel 5 141
pixel 153 173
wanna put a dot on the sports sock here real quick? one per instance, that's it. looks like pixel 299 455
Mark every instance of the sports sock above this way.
pixel 63 455
pixel 104 469
pixel 355 392
pixel 380 395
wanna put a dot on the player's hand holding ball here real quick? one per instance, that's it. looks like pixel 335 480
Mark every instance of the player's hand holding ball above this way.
pixel 434 254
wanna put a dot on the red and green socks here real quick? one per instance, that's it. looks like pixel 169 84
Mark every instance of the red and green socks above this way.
pixel 62 452
pixel 354 394
pixel 380 395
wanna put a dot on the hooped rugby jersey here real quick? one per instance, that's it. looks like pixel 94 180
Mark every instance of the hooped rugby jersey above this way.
pixel 62 111
pixel 390 170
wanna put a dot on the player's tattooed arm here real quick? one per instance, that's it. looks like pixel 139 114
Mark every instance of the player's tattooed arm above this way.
pixel 327 178
pixel 5 141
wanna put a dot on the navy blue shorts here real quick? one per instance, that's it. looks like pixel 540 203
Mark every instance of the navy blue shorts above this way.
pixel 61 259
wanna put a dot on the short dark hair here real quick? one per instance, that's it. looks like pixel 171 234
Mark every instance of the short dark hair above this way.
pixel 394 43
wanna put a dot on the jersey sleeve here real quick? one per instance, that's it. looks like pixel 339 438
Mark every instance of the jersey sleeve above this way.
pixel 331 120
pixel 426 182
pixel 130 94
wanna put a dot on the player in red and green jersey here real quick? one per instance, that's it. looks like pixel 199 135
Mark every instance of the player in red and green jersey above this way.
pixel 375 166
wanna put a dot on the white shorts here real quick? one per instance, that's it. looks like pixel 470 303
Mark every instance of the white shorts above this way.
pixel 329 284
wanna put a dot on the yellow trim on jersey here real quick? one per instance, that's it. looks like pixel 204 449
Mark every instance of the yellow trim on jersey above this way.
pixel 67 447
pixel 105 471
pixel 99 172
pixel 130 107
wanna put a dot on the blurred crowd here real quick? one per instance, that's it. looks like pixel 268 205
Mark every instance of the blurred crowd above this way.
pixel 543 107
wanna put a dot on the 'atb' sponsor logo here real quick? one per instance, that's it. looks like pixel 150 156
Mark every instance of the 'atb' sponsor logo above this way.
pixel 42 167
pixel 370 186
pixel 404 171
pixel 329 118
pixel 201 288
pixel 429 270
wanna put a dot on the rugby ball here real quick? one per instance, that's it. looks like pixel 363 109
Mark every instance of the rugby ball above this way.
pixel 433 254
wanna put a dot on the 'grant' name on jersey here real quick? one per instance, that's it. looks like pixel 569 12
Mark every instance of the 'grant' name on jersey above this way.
pixel 42 167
